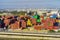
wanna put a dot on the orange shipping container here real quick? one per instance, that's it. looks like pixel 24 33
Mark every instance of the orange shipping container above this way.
pixel 15 25
pixel 6 21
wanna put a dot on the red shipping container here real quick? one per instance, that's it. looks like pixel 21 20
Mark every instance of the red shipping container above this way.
pixel 23 24
pixel 37 27
pixel 50 28
pixel 55 27
pixel 11 26
pixel 43 21
pixel 33 21
pixel 17 23
pixel 47 24
pixel 48 19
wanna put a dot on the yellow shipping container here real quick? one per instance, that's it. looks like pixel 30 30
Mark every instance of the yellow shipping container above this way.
pixel 29 22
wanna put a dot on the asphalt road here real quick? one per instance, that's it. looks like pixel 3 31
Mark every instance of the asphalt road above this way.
pixel 29 35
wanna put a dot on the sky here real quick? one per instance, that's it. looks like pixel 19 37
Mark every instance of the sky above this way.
pixel 10 4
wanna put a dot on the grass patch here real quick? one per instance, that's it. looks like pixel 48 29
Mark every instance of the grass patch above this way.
pixel 51 31
pixel 59 31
